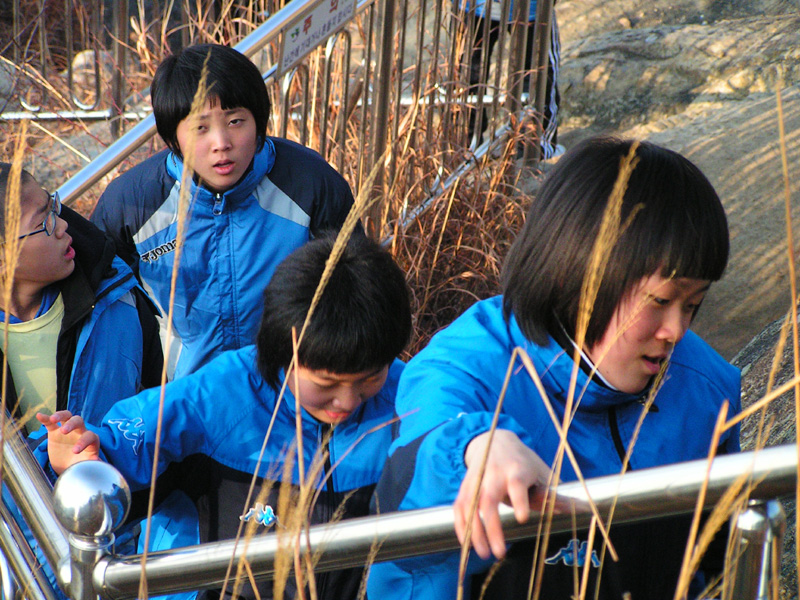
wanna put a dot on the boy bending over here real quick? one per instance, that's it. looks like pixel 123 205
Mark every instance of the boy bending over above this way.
pixel 344 386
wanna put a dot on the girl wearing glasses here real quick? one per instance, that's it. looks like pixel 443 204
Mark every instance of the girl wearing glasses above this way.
pixel 81 333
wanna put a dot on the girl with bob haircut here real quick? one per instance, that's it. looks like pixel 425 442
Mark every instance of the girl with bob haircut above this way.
pixel 644 385
pixel 254 199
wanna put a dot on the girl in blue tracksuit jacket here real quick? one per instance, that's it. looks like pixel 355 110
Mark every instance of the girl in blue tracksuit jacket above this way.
pixel 75 300
pixel 82 333
pixel 252 200
pixel 630 360
pixel 216 419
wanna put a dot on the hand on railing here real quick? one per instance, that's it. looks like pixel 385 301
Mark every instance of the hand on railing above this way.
pixel 70 442
pixel 511 470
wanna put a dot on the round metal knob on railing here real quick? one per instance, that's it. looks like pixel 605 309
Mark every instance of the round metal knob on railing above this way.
pixel 91 499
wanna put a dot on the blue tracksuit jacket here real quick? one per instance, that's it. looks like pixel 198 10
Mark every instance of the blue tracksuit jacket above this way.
pixel 449 393
pixel 233 240
pixel 214 424
pixel 108 349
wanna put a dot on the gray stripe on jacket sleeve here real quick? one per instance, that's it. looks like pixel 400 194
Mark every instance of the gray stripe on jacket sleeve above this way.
pixel 272 199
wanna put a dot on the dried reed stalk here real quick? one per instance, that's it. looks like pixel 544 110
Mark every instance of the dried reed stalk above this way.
pixel 198 103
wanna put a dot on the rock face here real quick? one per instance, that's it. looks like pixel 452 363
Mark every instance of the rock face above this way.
pixel 701 79
pixel 760 363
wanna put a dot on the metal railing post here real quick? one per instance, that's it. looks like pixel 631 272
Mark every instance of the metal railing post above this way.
pixel 380 107
pixel 32 494
pixel 120 17
pixel 91 500
pixel 516 56
pixel 19 559
pixel 757 535
pixel 540 62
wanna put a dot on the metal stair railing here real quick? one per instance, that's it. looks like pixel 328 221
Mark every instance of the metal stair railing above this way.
pixel 382 98
pixel 146 128
pixel 91 500
pixel 90 511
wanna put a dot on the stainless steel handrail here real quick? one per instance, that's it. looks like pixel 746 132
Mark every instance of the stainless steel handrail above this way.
pixel 639 495
pixel 33 497
pixel 19 559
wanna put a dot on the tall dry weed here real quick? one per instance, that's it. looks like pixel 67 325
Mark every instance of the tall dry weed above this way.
pixel 452 252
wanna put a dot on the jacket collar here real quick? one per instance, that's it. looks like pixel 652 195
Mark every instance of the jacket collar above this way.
pixel 556 368
pixel 263 161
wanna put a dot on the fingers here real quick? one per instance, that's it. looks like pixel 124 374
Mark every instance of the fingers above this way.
pixel 88 439
pixel 511 469
pixel 519 497
pixel 493 532
pixel 68 421
pixel 487 531
pixel 51 421
pixel 461 509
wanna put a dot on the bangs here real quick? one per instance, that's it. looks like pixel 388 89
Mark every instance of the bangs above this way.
pixel 680 228
pixel 672 221
pixel 342 339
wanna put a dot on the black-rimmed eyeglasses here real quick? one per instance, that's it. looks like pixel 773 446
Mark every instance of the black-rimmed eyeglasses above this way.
pixel 49 223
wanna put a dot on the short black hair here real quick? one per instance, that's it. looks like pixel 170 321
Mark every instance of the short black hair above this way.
pixel 5 174
pixel 361 323
pixel 232 79
pixel 679 230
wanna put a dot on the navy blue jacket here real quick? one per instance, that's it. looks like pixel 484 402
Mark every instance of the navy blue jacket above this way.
pixel 233 241
pixel 448 394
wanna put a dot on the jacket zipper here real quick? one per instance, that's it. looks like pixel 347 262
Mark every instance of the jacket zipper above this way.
pixel 218 200
pixel 615 435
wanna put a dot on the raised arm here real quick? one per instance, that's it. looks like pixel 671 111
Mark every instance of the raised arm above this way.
pixel 68 440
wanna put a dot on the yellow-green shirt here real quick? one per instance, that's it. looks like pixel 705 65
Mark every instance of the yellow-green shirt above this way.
pixel 32 347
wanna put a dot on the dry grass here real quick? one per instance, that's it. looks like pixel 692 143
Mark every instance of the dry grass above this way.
pixel 452 252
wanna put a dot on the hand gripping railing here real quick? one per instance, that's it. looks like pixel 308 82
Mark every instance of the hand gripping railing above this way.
pixel 639 495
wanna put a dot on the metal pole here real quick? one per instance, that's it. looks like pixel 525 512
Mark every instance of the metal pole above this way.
pixel 758 539
pixel 640 495
pixel 516 55
pixel 91 500
pixel 32 494
pixel 120 17
pixel 380 115
pixel 18 558
pixel 541 60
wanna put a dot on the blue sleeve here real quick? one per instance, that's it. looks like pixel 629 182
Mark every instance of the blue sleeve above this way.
pixel 314 185
pixel 445 399
pixel 128 431
pixel 129 201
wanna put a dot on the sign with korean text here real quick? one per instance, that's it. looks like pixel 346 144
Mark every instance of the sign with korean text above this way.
pixel 306 32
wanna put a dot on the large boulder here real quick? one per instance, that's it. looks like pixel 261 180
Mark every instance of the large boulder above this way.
pixel 766 363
